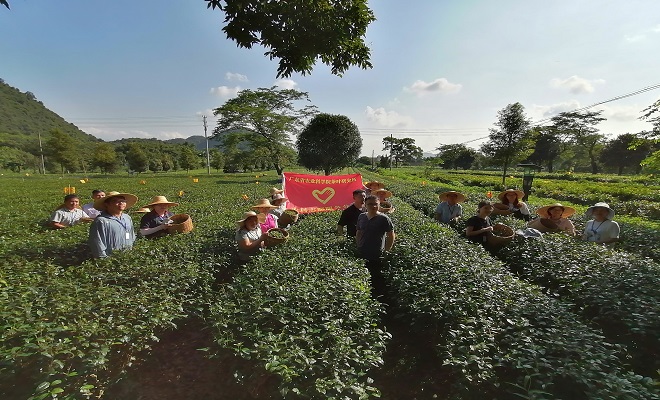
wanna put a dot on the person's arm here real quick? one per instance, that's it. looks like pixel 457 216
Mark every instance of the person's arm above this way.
pixel 340 230
pixel 524 210
pixel 358 236
pixel 150 231
pixel 57 225
pixel 470 231
pixel 389 240
pixel 246 245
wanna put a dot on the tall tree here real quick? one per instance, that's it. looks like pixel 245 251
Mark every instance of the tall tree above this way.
pixel 266 114
pixel 136 158
pixel 62 149
pixel 652 115
pixel 456 156
pixel 619 152
pixel 105 158
pixel 546 148
pixel 510 141
pixel 188 157
pixel 402 150
pixel 299 32
pixel 329 143
pixel 580 128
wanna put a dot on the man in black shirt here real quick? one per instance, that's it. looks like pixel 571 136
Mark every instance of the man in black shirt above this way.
pixel 350 215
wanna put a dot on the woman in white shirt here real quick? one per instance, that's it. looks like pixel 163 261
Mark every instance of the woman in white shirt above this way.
pixel 601 228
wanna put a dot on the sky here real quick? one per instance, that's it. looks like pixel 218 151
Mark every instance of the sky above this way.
pixel 441 69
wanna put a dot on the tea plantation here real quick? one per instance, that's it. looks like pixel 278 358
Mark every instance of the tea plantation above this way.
pixel 540 319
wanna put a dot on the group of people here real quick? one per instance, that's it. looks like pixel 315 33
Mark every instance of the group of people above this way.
pixel 111 227
pixel 252 230
pixel 601 228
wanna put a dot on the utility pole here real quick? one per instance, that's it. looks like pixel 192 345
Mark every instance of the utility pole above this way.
pixel 208 157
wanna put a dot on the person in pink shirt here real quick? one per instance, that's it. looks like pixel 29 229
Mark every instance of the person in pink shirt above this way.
pixel 266 219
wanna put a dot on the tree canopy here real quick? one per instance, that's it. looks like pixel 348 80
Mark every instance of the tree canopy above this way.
pixel 299 32
pixel 580 128
pixel 268 116
pixel 329 143
pixel 402 150
pixel 511 139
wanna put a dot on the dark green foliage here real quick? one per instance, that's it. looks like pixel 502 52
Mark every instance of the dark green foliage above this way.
pixel 329 143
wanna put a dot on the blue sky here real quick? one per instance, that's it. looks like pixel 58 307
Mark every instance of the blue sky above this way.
pixel 442 69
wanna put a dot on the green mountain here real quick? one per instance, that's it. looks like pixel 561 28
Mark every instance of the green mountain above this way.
pixel 23 117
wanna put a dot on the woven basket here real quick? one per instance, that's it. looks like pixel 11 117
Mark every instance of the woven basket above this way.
pixel 288 217
pixel 273 241
pixel 386 207
pixel 502 230
pixel 181 223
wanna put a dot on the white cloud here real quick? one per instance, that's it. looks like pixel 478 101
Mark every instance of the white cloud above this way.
pixel 539 112
pixel 285 84
pixel 576 85
pixel 225 91
pixel 441 85
pixel 387 118
pixel 621 113
pixel 635 38
pixel 643 35
pixel 656 29
pixel 232 76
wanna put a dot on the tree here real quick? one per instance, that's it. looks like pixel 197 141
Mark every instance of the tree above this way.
pixel 401 150
pixel 511 140
pixel 62 149
pixel 580 128
pixel 618 152
pixel 188 157
pixel 653 160
pixel 136 158
pixel 456 156
pixel 301 31
pixel 329 143
pixel 105 158
pixel 547 147
pixel 267 117
pixel 217 159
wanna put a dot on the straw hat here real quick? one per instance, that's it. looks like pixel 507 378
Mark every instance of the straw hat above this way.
pixel 543 211
pixel 385 193
pixel 143 210
pixel 590 210
pixel 131 199
pixel 275 191
pixel 263 203
pixel 248 214
pixel 518 193
pixel 279 198
pixel 380 185
pixel 460 197
pixel 161 200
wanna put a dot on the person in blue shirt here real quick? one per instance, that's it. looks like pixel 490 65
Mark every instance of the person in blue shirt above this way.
pixel 113 229
pixel 449 210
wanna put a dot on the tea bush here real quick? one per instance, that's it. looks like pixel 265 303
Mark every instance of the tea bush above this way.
pixel 494 331
pixel 303 312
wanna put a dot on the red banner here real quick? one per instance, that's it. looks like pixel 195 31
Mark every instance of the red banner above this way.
pixel 315 193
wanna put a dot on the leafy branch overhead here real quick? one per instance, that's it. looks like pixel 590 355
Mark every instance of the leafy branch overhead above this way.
pixel 298 32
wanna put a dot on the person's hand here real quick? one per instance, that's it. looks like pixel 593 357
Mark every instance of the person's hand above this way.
pixel 487 229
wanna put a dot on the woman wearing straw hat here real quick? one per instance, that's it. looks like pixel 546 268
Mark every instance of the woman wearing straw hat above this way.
pixel 154 223
pixel 266 219
pixel 449 210
pixel 372 187
pixel 554 218
pixel 601 228
pixel 382 194
pixel 279 201
pixel 511 203
pixel 249 238
pixel 112 229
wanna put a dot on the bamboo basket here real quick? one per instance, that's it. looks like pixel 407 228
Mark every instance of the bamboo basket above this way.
pixel 386 207
pixel 181 223
pixel 273 241
pixel 288 217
